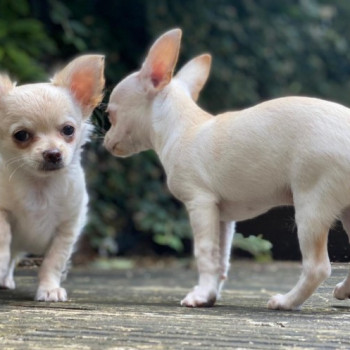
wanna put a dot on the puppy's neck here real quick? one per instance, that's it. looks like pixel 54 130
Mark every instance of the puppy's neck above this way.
pixel 175 116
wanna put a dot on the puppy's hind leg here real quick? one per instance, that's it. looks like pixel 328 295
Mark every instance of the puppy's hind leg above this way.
pixel 316 266
pixel 342 289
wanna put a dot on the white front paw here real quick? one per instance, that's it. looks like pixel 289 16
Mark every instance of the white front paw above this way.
pixel 281 302
pixel 54 294
pixel 341 292
pixel 7 283
pixel 199 297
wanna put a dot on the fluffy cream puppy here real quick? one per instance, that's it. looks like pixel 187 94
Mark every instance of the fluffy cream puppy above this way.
pixel 43 200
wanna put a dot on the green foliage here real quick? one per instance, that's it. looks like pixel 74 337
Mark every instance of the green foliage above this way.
pixel 261 50
pixel 73 32
pixel 23 41
pixel 133 197
pixel 258 247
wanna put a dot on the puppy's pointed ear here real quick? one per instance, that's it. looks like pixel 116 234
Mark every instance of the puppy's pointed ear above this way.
pixel 6 85
pixel 158 68
pixel 195 73
pixel 84 78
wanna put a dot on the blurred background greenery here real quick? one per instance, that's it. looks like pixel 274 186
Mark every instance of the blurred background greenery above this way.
pixel 261 50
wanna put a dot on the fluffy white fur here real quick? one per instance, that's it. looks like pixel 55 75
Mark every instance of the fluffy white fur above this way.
pixel 43 200
pixel 237 165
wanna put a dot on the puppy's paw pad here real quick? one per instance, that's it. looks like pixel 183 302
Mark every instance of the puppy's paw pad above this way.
pixel 7 283
pixel 341 292
pixel 280 302
pixel 55 294
pixel 199 298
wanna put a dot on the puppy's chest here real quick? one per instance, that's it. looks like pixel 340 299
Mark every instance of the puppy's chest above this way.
pixel 35 220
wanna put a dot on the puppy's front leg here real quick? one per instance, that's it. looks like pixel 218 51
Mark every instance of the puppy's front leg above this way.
pixel 6 272
pixel 204 218
pixel 54 265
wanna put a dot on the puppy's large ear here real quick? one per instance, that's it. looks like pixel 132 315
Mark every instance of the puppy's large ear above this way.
pixel 84 78
pixel 6 85
pixel 158 68
pixel 195 73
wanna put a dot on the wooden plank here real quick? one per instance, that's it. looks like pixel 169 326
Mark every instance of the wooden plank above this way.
pixel 139 309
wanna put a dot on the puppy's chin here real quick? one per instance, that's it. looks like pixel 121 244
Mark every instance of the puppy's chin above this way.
pixel 122 154
pixel 119 151
pixel 51 167
pixel 45 170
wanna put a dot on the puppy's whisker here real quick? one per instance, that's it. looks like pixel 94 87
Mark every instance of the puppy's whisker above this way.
pixel 100 132
pixel 97 137
pixel 13 161
pixel 102 107
pixel 14 158
pixel 15 170
pixel 98 128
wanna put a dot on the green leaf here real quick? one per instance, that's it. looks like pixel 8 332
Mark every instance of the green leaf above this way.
pixel 169 240
pixel 255 245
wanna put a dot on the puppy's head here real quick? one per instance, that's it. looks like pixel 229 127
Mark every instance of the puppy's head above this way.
pixel 43 126
pixel 131 104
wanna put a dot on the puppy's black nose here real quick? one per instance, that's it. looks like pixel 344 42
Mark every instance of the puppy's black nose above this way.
pixel 53 156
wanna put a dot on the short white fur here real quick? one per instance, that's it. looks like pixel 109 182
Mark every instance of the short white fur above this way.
pixel 43 200
pixel 237 165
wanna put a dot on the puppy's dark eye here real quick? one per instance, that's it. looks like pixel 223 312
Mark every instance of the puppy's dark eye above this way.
pixel 68 130
pixel 22 136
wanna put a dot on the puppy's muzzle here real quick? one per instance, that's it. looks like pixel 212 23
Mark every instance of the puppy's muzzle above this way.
pixel 53 160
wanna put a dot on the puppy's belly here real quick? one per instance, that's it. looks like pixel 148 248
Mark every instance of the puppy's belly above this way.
pixel 239 211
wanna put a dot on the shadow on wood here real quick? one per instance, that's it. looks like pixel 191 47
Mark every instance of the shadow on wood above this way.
pixel 139 309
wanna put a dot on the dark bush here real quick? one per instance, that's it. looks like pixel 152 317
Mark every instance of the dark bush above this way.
pixel 260 50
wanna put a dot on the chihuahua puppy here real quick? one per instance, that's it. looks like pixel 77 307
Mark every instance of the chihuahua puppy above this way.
pixel 43 199
pixel 237 165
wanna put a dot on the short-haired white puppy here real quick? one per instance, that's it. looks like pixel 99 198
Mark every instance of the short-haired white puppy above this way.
pixel 237 165
pixel 43 200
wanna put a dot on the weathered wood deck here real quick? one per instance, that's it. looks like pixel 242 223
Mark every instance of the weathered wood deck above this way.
pixel 139 309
